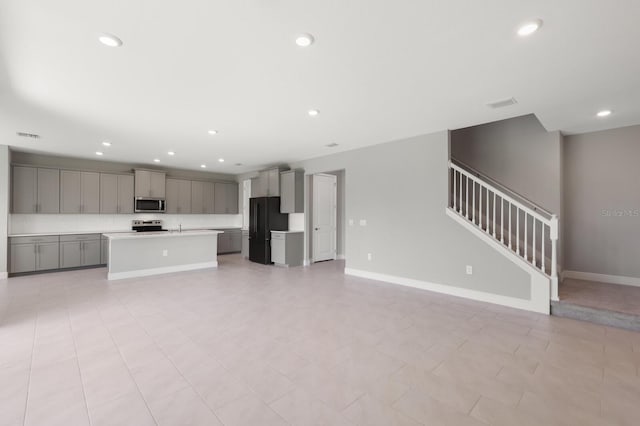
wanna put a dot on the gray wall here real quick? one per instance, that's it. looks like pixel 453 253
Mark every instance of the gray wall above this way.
pixel 519 153
pixel 602 202
pixel 401 189
pixel 4 206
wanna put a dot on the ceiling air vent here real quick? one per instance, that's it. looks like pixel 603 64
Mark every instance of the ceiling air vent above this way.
pixel 28 135
pixel 331 145
pixel 502 103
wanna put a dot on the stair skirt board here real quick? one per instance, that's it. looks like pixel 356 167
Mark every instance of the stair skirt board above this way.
pixel 540 283
pixel 597 316
pixel 602 278
pixel 539 301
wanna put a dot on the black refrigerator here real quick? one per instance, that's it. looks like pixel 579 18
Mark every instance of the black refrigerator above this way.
pixel 264 217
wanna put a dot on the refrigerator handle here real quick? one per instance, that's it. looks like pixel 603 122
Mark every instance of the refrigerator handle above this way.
pixel 255 217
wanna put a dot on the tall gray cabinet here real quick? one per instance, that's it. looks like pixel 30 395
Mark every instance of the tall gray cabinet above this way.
pixel 116 193
pixel 79 192
pixel 292 191
pixel 35 190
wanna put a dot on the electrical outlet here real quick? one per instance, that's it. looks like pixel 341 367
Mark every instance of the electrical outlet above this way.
pixel 469 270
pixel 350 222
pixel 363 222
pixel 165 252
pixel 369 256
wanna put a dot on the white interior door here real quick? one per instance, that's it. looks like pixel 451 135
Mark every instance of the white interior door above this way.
pixel 324 217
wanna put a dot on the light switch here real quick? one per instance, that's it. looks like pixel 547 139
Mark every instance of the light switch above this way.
pixel 350 222
pixel 469 270
pixel 363 222
pixel 165 252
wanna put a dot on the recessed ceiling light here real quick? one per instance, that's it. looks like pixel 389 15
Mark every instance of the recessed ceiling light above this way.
pixel 204 166
pixel 171 153
pixel 110 40
pixel 238 164
pixel 221 160
pixel 156 160
pixel 99 153
pixel 304 40
pixel 313 112
pixel 106 143
pixel 529 27
pixel 604 113
pixel 213 132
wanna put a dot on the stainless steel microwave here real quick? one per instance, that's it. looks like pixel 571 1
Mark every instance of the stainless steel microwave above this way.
pixel 149 205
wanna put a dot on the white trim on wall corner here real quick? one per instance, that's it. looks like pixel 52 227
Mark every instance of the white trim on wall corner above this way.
pixel 539 299
pixel 340 257
pixel 4 275
pixel 306 262
pixel 604 278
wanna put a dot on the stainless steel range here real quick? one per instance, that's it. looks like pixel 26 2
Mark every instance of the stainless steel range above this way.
pixel 146 225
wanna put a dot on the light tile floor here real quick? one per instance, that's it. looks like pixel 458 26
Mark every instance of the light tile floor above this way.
pixel 612 297
pixel 254 345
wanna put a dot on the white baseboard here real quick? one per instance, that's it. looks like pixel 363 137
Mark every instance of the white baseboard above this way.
pixel 306 262
pixel 163 270
pixel 4 275
pixel 539 299
pixel 603 278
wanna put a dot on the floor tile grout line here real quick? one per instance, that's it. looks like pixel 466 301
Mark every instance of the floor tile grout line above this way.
pixel 33 345
pixel 124 362
pixel 75 350
pixel 172 363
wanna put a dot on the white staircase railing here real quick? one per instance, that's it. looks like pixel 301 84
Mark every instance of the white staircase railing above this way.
pixel 528 233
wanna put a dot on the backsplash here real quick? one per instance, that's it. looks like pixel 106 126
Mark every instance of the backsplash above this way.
pixel 34 223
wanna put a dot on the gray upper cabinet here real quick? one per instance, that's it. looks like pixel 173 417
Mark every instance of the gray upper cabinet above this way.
pixel 116 193
pixel 267 184
pixel 292 191
pixel 35 190
pixel 150 184
pixel 202 197
pixel 178 196
pixel 226 198
pixel 79 192
pixel 273 189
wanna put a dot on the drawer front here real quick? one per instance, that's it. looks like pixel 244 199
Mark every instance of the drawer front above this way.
pixel 277 236
pixel 79 237
pixel 30 240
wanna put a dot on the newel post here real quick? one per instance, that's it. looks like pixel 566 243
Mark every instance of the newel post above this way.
pixel 553 235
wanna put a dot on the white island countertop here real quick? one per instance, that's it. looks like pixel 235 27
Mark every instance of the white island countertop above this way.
pixel 160 234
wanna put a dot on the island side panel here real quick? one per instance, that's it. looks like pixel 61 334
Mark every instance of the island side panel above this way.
pixel 134 257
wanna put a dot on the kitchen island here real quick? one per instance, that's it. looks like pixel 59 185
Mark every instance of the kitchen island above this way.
pixel 137 254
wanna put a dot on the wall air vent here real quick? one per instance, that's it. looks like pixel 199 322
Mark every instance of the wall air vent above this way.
pixel 28 135
pixel 502 103
pixel 331 145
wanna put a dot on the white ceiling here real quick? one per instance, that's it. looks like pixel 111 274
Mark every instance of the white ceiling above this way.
pixel 379 71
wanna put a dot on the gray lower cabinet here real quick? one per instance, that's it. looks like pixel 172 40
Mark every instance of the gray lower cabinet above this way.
pixel 79 250
pixel 287 248
pixel 230 241
pixel 226 198
pixel 104 251
pixel 28 254
pixel 116 193
pixel 178 196
pixel 245 243
pixel 79 192
pixel 35 190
